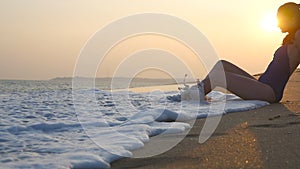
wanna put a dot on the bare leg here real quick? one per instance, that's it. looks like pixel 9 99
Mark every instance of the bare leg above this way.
pixel 229 67
pixel 218 72
pixel 249 89
pixel 237 81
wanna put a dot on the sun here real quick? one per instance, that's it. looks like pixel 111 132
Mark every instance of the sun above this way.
pixel 269 22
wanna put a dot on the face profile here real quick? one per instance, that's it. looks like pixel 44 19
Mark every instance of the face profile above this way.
pixel 288 17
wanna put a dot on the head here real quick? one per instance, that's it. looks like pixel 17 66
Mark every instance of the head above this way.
pixel 288 16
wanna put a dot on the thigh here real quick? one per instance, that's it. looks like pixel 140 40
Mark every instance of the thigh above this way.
pixel 249 88
pixel 221 73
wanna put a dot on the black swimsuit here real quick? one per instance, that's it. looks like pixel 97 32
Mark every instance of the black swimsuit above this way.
pixel 278 72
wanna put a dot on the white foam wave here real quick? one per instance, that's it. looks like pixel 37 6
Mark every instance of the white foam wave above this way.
pixel 41 129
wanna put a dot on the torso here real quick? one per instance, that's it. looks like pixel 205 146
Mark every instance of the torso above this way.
pixel 278 72
pixel 286 59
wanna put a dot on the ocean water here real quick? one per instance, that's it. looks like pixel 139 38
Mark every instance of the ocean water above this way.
pixel 43 126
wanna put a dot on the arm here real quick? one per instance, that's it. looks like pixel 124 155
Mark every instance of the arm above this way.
pixel 297 41
pixel 294 52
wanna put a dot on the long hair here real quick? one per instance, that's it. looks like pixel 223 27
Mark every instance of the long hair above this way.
pixel 290 9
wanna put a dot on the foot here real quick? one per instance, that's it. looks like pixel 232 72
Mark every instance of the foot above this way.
pixel 194 93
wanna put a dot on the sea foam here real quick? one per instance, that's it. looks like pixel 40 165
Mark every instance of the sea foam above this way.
pixel 42 128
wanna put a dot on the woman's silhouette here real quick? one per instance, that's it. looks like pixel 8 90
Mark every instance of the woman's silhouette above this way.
pixel 269 87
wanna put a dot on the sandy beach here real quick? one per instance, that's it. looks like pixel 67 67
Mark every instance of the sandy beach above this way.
pixel 268 137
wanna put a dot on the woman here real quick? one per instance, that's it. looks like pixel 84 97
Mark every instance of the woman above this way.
pixel 269 87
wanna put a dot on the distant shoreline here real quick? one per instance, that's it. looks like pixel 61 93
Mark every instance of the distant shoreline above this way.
pixel 110 78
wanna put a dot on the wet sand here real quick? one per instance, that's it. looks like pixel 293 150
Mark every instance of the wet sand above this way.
pixel 268 137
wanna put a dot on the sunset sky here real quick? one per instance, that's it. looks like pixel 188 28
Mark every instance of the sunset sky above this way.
pixel 42 39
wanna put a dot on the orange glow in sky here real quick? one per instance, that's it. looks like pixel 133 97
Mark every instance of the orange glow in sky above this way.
pixel 42 39
pixel 269 22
